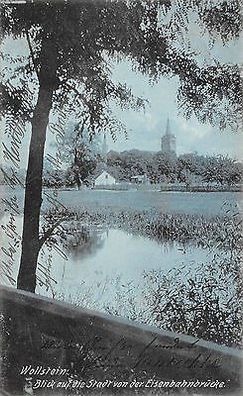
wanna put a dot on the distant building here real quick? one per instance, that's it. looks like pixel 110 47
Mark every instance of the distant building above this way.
pixel 140 179
pixel 168 141
pixel 101 175
pixel 104 179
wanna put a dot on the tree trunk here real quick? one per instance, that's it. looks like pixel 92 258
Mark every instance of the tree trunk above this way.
pixel 33 190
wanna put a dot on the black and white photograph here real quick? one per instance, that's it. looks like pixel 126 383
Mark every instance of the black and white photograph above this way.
pixel 121 207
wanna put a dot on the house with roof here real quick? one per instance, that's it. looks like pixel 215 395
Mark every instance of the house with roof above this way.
pixel 104 179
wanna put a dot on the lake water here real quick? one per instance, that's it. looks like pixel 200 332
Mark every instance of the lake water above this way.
pixel 92 269
pixel 207 204
pixel 96 261
pixel 103 269
pixel 117 255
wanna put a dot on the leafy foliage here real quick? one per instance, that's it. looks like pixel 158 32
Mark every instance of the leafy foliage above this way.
pixel 159 167
pixel 81 153
pixel 153 34
pixel 205 304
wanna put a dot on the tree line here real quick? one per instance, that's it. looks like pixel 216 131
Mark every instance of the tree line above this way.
pixel 187 168
pixel 158 167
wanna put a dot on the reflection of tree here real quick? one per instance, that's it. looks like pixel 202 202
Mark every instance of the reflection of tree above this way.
pixel 84 241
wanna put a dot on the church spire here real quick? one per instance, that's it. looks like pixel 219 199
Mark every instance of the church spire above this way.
pixel 167 131
pixel 168 141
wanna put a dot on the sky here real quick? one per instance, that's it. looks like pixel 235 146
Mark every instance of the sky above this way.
pixel 145 128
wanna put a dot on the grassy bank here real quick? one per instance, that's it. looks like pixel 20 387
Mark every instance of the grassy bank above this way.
pixel 221 232
pixel 205 303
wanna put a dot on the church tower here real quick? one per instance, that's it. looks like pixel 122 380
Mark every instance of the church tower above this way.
pixel 168 141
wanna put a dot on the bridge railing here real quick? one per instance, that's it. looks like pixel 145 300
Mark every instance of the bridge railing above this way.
pixel 57 343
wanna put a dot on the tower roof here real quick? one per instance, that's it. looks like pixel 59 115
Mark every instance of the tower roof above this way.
pixel 167 131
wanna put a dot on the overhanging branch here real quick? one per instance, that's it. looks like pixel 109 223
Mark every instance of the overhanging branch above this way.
pixel 49 232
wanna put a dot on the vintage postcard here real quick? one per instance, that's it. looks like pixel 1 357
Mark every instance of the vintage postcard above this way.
pixel 120 180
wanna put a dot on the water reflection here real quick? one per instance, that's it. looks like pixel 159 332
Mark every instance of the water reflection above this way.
pixel 95 256
pixel 83 240
pixel 163 284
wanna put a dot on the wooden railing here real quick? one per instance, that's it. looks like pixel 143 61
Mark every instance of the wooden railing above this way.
pixel 47 340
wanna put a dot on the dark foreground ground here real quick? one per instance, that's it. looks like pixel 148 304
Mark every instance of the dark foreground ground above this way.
pixel 51 348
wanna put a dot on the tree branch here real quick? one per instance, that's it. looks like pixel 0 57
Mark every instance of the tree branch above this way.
pixel 79 94
pixel 49 232
pixel 32 54
pixel 80 131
